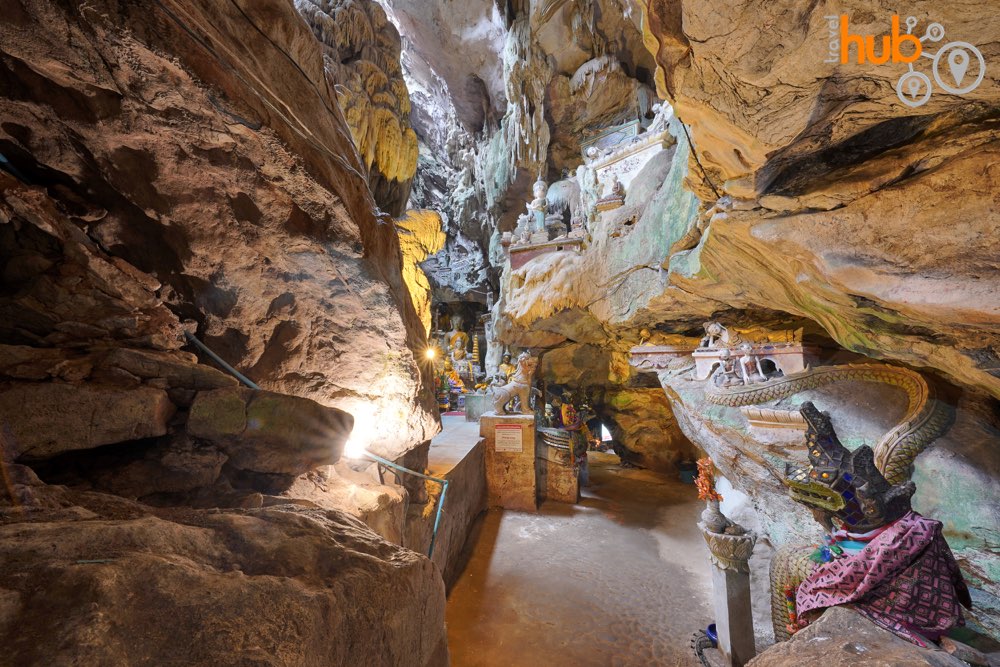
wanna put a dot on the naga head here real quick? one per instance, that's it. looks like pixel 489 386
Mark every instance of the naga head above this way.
pixel 841 484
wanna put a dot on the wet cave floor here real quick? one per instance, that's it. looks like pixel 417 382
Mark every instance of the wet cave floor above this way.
pixel 622 578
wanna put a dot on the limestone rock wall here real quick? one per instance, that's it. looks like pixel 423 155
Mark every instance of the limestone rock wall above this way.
pixel 202 148
pixel 643 420
pixel 170 168
pixel 840 636
pixel 834 199
pixel 280 586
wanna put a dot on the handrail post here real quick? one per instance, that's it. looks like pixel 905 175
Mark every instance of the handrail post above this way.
pixel 437 519
pixel 442 482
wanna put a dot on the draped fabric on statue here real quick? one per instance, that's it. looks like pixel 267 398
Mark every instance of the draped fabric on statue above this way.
pixel 905 580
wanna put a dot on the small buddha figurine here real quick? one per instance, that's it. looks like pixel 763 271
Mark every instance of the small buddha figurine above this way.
pixel 456 333
pixel 539 206
pixel 523 227
pixel 506 367
pixel 617 189
pixel 460 361
pixel 454 379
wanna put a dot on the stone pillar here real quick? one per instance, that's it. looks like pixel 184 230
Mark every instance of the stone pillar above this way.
pixel 510 460
pixel 730 546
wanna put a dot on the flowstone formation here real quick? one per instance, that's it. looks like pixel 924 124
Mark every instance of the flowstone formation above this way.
pixel 420 235
pixel 361 55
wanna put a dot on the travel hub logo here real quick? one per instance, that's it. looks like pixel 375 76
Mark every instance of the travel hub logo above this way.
pixel 957 67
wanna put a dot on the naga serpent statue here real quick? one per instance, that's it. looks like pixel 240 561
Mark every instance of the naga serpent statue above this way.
pixel 925 419
pixel 866 494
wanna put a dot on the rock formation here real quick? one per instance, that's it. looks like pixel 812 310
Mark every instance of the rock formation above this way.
pixel 420 235
pixel 843 637
pixel 253 225
pixel 798 194
pixel 502 96
pixel 294 182
pixel 125 584
pixel 880 208
pixel 361 53
pixel 172 168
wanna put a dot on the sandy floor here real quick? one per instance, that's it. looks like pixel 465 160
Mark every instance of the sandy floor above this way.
pixel 620 579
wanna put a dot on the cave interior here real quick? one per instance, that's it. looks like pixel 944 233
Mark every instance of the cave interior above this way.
pixel 499 332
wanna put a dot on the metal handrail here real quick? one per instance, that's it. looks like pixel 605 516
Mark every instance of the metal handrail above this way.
pixel 219 360
pixel 444 489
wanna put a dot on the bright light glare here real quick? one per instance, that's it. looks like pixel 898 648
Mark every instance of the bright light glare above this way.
pixel 605 434
pixel 354 449
pixel 429 353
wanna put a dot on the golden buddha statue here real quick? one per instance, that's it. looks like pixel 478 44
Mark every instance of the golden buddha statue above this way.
pixel 508 369
pixel 456 334
pixel 454 379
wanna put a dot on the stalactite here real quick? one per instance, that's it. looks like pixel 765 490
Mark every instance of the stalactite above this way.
pixel 527 72
pixel 398 88
pixel 583 20
pixel 496 166
pixel 361 50
pixel 374 79
pixel 588 71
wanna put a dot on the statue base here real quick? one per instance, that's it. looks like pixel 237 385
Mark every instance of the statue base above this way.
pixel 510 460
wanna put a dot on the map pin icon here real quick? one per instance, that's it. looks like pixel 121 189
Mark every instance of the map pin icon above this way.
pixel 958 63
pixel 914 87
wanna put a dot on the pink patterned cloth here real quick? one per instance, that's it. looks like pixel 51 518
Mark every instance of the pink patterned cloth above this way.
pixel 905 580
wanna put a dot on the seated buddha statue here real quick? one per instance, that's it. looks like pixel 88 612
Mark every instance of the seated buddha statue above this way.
pixel 453 378
pixel 460 361
pixel 508 369
pixel 456 333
